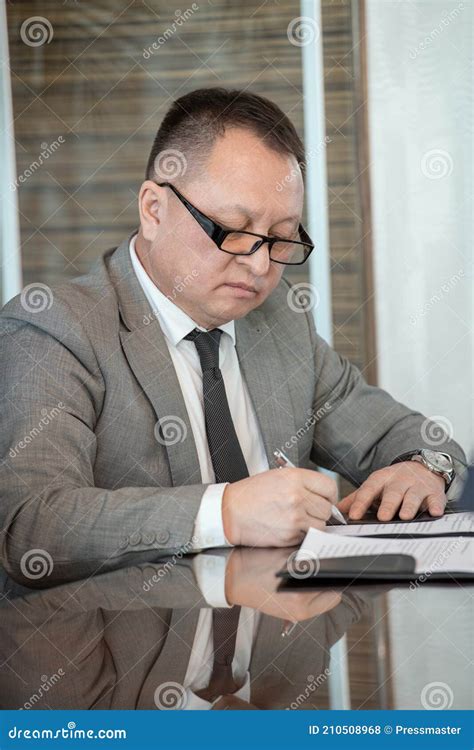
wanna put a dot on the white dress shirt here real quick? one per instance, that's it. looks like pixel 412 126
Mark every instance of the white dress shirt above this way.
pixel 207 568
pixel 208 529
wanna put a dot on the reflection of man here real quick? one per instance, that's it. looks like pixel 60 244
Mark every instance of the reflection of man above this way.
pixel 179 363
pixel 78 635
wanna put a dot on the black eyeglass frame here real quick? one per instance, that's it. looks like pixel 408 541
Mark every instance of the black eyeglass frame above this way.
pixel 218 234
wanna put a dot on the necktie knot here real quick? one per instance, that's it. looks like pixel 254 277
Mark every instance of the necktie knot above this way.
pixel 207 345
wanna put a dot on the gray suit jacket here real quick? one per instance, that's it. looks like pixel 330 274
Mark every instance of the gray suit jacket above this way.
pixel 85 381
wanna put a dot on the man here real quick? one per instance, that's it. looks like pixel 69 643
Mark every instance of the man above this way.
pixel 170 373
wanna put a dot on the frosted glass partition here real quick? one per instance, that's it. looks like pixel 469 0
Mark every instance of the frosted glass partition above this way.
pixel 420 78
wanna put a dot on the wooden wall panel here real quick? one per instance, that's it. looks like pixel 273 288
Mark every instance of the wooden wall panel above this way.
pixel 92 85
pixel 345 218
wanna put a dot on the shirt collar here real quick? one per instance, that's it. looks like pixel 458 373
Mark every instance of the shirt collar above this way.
pixel 174 322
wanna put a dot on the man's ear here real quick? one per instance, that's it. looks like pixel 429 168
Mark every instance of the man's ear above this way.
pixel 152 202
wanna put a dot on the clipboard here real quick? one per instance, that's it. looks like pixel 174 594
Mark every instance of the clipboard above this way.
pixel 365 569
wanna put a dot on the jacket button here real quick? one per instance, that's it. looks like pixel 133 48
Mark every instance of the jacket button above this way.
pixel 148 538
pixel 162 536
pixel 135 539
pixel 124 542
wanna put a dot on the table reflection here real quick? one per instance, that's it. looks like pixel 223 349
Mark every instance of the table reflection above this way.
pixel 140 638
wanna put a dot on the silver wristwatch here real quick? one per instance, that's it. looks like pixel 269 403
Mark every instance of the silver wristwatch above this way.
pixel 436 461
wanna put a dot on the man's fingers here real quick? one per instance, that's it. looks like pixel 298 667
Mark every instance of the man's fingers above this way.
pixel 319 484
pixel 436 504
pixel 411 504
pixel 317 507
pixel 391 501
pixel 364 497
pixel 346 502
pixel 394 495
pixel 415 500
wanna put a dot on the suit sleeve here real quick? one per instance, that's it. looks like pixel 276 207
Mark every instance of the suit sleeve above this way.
pixel 360 428
pixel 50 395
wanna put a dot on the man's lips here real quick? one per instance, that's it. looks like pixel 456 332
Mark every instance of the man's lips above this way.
pixel 242 286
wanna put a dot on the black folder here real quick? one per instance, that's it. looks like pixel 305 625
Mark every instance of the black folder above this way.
pixel 363 569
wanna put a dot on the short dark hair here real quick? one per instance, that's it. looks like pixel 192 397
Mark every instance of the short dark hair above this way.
pixel 194 121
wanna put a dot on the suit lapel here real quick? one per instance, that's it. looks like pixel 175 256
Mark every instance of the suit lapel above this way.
pixel 148 355
pixel 149 358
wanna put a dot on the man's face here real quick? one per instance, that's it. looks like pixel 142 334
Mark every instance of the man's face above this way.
pixel 239 188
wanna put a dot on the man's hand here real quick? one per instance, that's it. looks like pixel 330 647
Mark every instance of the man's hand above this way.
pixel 276 508
pixel 250 581
pixel 405 488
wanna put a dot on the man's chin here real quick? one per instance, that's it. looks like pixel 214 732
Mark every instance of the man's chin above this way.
pixel 235 309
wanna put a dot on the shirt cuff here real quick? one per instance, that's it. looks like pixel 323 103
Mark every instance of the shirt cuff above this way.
pixel 210 576
pixel 209 526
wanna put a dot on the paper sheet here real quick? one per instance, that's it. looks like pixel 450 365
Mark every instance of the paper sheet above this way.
pixel 433 555
pixel 457 523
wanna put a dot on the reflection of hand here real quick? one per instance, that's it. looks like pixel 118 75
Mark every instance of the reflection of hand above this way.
pixel 400 489
pixel 250 581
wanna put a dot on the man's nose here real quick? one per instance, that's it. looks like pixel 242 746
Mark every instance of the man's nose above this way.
pixel 258 262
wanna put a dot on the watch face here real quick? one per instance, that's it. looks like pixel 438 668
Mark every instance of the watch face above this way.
pixel 439 461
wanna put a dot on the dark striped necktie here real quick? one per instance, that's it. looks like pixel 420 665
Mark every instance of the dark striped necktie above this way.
pixel 229 466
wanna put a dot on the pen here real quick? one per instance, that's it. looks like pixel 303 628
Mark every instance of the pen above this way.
pixel 288 628
pixel 283 460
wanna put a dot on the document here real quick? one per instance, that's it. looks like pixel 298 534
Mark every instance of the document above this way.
pixel 435 554
pixel 451 523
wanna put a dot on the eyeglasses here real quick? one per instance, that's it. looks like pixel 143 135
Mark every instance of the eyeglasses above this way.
pixel 288 252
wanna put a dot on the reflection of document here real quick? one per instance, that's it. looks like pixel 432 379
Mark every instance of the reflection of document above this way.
pixel 435 554
pixel 451 523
